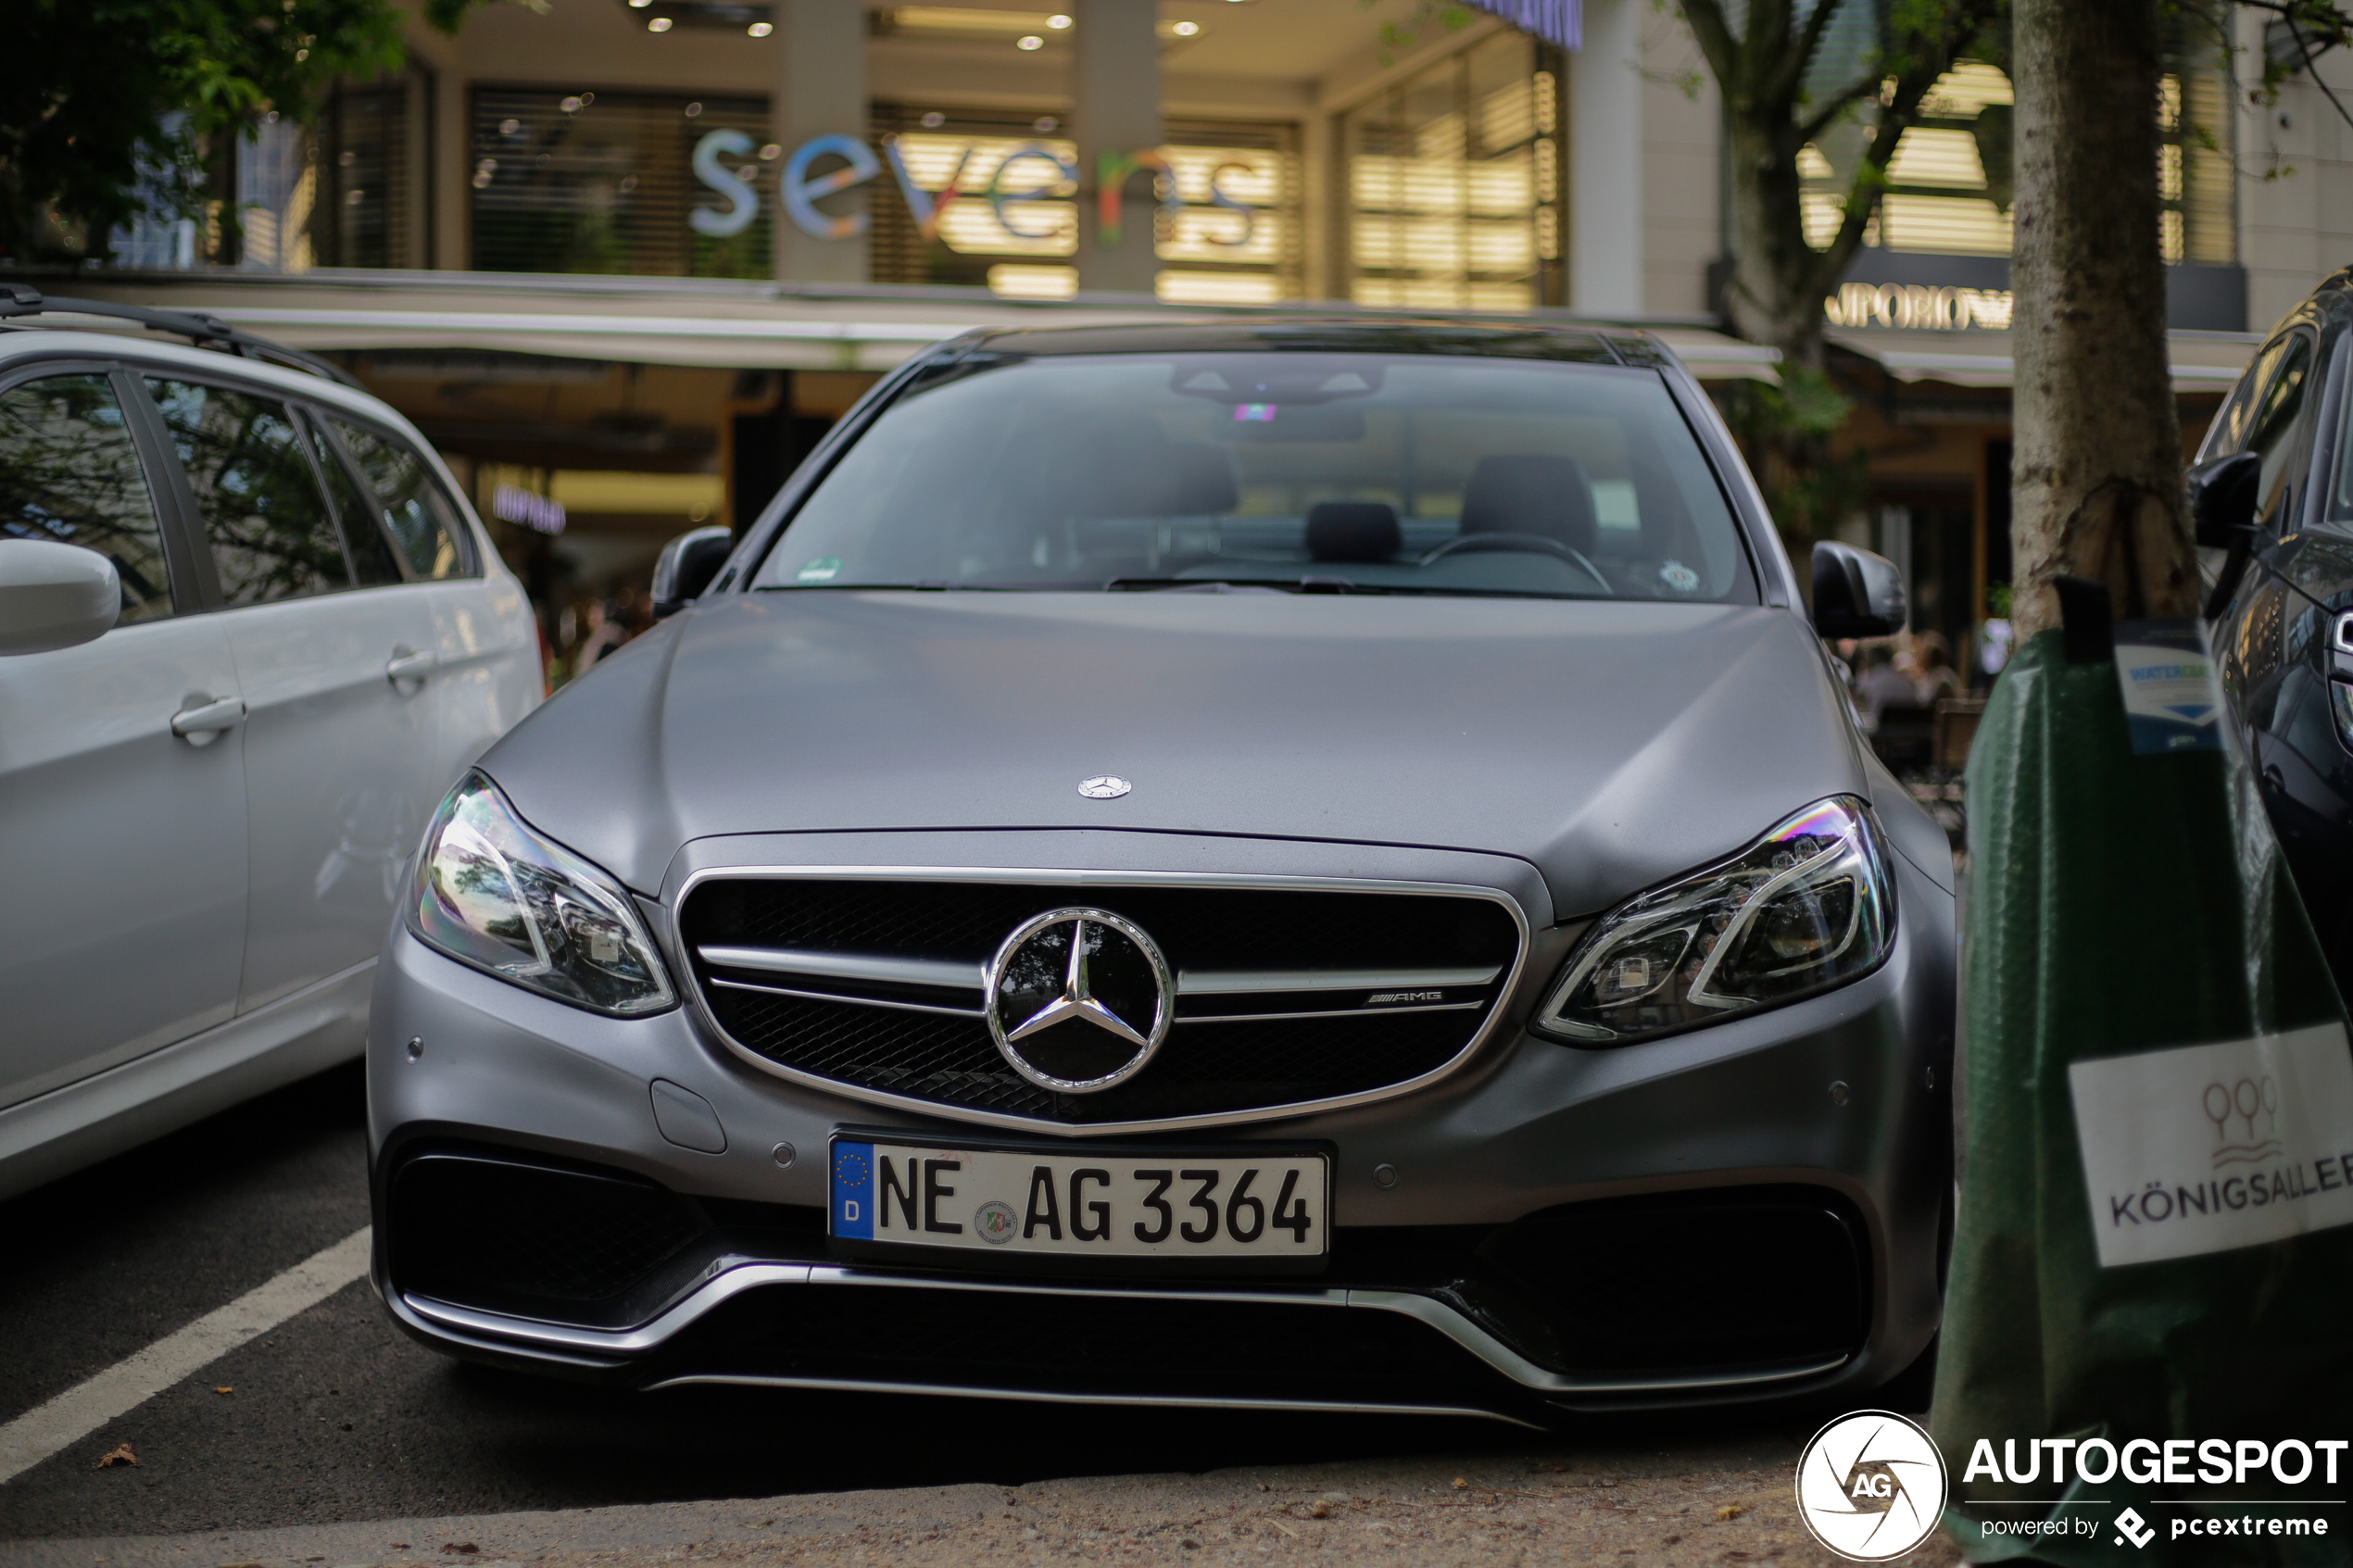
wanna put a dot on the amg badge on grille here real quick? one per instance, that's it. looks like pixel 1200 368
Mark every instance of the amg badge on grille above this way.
pixel 1079 999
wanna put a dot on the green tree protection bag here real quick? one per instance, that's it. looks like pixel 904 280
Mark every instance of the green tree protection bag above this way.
pixel 2125 903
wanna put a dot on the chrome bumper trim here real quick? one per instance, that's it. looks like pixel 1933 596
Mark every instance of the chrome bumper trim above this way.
pixel 1179 1401
pixel 563 1338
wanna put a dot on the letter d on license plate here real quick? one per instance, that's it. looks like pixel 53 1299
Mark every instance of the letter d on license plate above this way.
pixel 1131 1202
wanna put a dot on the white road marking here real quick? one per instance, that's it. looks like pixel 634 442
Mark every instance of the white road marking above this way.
pixel 87 1406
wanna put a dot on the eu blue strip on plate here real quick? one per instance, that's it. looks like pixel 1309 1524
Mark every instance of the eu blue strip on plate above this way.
pixel 853 1210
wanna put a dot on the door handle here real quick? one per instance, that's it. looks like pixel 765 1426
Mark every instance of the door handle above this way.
pixel 204 721
pixel 407 665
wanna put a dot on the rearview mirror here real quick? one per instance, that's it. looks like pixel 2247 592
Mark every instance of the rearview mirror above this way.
pixel 1856 593
pixel 54 595
pixel 2222 499
pixel 686 567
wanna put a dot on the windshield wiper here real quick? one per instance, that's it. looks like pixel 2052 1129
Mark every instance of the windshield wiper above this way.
pixel 933 585
pixel 1224 584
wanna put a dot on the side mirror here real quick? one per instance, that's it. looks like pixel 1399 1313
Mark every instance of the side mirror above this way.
pixel 686 567
pixel 2222 499
pixel 54 595
pixel 1856 593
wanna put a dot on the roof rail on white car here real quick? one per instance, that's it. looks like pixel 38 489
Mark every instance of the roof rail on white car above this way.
pixel 203 330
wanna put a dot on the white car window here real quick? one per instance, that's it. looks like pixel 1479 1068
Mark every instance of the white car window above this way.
pixel 413 508
pixel 69 472
pixel 257 499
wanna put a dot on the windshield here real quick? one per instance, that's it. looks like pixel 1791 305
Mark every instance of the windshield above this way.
pixel 1294 472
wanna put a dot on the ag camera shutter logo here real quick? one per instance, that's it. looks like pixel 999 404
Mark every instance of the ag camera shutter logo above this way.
pixel 1870 1485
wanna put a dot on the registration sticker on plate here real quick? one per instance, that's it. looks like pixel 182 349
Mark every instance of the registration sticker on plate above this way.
pixel 1140 1204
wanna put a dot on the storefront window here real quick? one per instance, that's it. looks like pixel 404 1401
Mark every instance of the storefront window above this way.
pixel 606 182
pixel 1950 186
pixel 1234 242
pixel 1453 184
pixel 362 218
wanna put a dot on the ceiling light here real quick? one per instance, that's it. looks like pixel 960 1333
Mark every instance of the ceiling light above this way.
pixel 761 30
pixel 657 24
pixel 1186 30
pixel 1029 40
pixel 640 4
pixel 1058 23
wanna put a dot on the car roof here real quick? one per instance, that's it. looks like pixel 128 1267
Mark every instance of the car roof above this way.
pixel 1433 335
pixel 20 343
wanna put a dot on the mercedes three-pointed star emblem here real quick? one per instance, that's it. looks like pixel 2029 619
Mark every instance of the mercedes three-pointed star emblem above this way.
pixel 1079 999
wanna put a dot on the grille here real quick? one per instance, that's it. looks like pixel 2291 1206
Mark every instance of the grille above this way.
pixel 1202 1068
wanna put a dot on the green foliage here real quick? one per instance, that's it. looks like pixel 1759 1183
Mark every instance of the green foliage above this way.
pixel 1446 15
pixel 86 87
pixel 2304 29
pixel 1785 429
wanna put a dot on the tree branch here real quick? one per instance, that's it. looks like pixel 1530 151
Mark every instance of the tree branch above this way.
pixel 1871 176
pixel 1846 97
pixel 1809 38
pixel 1713 36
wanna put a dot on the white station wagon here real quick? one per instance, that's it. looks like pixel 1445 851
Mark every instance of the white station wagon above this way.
pixel 249 635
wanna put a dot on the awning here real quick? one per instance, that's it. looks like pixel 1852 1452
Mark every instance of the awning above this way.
pixel 711 322
pixel 1555 21
pixel 2199 361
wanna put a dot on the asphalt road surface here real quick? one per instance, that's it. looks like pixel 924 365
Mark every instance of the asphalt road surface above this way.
pixel 334 1416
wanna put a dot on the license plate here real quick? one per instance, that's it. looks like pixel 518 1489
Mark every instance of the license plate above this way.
pixel 1140 1204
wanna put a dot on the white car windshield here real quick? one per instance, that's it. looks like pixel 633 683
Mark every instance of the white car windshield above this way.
pixel 1379 473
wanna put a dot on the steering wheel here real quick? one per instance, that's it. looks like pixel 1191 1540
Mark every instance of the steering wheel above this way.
pixel 1518 543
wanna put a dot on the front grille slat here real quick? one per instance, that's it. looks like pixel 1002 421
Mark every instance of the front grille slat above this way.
pixel 1235 1065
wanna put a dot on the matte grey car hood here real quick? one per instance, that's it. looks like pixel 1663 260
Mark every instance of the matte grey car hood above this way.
pixel 1613 745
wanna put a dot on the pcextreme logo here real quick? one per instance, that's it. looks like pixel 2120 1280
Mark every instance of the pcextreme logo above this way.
pixel 1870 1485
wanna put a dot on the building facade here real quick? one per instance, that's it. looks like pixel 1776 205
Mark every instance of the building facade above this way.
pixel 630 256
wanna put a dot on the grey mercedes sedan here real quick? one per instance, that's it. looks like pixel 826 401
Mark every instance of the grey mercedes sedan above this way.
pixel 1291 864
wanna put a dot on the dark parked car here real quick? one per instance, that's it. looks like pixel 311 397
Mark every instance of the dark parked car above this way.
pixel 2271 493
pixel 1286 864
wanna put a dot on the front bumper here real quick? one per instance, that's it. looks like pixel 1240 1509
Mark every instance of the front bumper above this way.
pixel 1677 1157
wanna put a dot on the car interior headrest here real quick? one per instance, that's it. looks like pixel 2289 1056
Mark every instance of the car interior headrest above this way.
pixel 1530 493
pixel 1131 468
pixel 1201 479
pixel 1353 530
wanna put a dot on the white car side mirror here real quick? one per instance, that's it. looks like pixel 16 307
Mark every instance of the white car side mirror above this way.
pixel 54 595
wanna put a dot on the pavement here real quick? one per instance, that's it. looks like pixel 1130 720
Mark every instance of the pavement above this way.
pixel 331 1439
pixel 1720 1506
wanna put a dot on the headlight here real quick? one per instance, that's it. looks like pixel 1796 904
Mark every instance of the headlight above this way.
pixel 1809 907
pixel 492 893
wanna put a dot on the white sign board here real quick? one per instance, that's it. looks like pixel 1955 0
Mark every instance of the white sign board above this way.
pixel 2203 1148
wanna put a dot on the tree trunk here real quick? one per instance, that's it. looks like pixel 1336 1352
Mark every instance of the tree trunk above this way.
pixel 1773 297
pixel 2097 470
